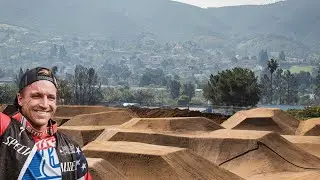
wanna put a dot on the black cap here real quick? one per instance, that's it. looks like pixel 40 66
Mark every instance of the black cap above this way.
pixel 36 74
pixel 33 75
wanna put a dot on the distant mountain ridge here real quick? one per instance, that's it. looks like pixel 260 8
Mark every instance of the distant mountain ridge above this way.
pixel 167 20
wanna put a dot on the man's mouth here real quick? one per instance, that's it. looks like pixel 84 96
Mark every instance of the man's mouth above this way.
pixel 42 112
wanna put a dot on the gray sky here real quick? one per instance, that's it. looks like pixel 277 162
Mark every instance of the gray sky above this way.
pixel 220 3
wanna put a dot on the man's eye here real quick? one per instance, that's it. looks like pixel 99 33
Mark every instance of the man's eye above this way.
pixel 36 96
pixel 52 98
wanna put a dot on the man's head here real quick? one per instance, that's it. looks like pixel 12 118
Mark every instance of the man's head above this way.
pixel 37 96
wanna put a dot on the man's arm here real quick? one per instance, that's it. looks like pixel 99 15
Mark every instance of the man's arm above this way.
pixel 82 166
pixel 4 122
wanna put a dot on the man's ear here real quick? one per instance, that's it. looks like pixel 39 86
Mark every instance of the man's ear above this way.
pixel 19 97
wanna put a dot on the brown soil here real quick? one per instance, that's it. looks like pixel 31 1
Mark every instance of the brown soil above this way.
pixel 144 161
pixel 102 118
pixel 310 127
pixel 71 111
pixel 158 113
pixel 81 135
pixel 310 144
pixel 172 124
pixel 244 153
pixel 263 119
pixel 100 169
pixel 309 175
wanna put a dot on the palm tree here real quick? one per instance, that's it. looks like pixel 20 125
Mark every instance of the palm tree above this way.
pixel 272 66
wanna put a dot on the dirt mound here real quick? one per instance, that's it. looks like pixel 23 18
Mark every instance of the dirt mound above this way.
pixel 144 161
pixel 70 111
pixel 172 124
pixel 100 169
pixel 263 119
pixel 309 175
pixel 310 144
pixel 102 118
pixel 310 127
pixel 244 153
pixel 159 113
pixel 82 134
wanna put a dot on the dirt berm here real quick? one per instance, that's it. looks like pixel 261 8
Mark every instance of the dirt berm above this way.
pixel 310 127
pixel 102 118
pixel 172 124
pixel 82 134
pixel 139 161
pixel 245 153
pixel 100 169
pixel 160 112
pixel 263 119
pixel 310 144
pixel 71 111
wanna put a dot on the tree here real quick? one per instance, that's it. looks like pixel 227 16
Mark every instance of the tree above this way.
pixel 272 66
pixel 153 76
pixel 62 52
pixel 86 86
pixel 279 86
pixel 282 56
pixel 7 93
pixel 291 95
pixel 235 87
pixel 18 77
pixel 188 89
pixel 144 97
pixel 265 89
pixel 316 90
pixel 263 57
pixel 174 89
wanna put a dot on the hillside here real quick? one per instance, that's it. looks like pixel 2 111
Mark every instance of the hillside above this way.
pixel 162 19
pixel 240 28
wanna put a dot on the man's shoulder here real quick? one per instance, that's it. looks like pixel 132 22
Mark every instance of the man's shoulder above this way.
pixel 4 122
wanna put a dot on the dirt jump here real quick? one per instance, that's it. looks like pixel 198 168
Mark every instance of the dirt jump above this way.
pixel 263 119
pixel 245 153
pixel 82 134
pixel 161 112
pixel 100 169
pixel 71 111
pixel 117 117
pixel 172 124
pixel 310 144
pixel 152 162
pixel 310 127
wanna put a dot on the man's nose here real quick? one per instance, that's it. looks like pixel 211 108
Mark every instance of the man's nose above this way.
pixel 44 102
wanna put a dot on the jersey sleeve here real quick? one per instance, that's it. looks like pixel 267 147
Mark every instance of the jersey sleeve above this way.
pixel 82 166
pixel 4 122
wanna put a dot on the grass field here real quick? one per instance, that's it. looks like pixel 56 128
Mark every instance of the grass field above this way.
pixel 297 69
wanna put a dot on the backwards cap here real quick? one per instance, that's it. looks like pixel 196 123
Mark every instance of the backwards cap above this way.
pixel 36 74
pixel 33 75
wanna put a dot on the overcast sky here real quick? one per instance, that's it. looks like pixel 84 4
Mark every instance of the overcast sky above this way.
pixel 220 3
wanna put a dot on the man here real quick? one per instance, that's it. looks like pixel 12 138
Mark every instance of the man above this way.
pixel 31 147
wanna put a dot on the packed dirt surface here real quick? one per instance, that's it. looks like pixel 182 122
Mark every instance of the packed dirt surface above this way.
pixel 138 143
pixel 310 127
pixel 71 111
pixel 245 153
pixel 101 169
pixel 158 113
pixel 263 119
pixel 172 124
pixel 82 134
pixel 310 144
pixel 117 117
pixel 152 162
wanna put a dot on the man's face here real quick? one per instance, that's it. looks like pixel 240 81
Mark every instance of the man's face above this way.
pixel 38 102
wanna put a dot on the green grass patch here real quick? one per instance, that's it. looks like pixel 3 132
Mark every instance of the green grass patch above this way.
pixel 297 69
pixel 306 113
